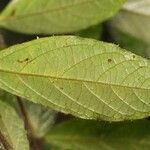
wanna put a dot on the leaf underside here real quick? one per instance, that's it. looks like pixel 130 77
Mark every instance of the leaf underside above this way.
pixel 83 77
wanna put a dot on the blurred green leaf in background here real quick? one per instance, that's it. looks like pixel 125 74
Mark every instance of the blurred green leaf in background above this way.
pixel 56 16
pixel 131 27
pixel 93 135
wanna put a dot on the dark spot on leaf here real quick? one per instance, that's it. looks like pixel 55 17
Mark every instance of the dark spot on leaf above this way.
pixel 13 12
pixel 109 60
pixel 61 88
pixel 24 60
pixel 141 66
pixel 27 59
pixel 133 56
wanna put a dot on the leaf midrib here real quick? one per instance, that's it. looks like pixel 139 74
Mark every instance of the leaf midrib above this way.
pixel 72 79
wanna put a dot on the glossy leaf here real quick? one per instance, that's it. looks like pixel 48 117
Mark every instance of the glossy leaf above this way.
pixel 92 135
pixel 134 19
pixel 84 77
pixel 57 16
pixel 12 133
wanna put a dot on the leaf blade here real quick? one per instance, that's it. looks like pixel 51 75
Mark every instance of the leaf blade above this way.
pixel 83 134
pixel 12 128
pixel 76 71
pixel 39 15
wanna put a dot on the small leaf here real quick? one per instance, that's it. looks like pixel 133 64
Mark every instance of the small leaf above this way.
pixel 12 133
pixel 87 135
pixel 41 118
pixel 84 77
pixel 55 16
pixel 134 19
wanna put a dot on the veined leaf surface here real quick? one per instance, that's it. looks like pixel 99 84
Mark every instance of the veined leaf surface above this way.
pixel 87 135
pixel 57 16
pixel 12 132
pixel 87 78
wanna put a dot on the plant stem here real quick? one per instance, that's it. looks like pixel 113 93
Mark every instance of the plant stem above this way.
pixel 7 145
pixel 35 143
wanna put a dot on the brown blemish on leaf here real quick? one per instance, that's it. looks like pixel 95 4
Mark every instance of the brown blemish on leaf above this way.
pixel 133 56
pixel 61 88
pixel 109 60
pixel 13 12
pixel 26 60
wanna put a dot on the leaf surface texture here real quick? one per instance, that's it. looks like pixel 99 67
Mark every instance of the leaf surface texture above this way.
pixel 87 78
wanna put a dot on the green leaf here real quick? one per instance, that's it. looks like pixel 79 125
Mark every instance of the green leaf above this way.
pixel 41 118
pixel 92 135
pixel 134 19
pixel 94 32
pixel 84 77
pixel 2 41
pixel 12 133
pixel 9 98
pixel 55 16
